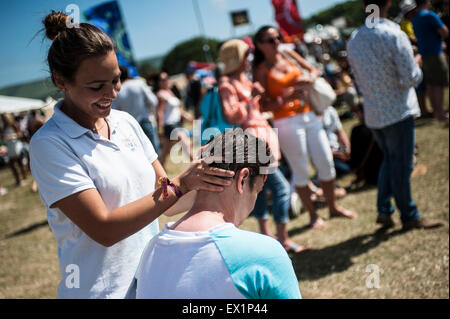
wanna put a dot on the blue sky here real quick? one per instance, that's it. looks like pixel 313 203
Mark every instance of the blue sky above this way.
pixel 154 27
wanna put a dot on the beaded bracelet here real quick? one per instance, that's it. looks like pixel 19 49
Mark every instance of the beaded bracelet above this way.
pixel 164 182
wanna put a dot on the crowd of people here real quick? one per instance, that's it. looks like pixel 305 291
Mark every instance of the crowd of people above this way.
pixel 15 135
pixel 99 161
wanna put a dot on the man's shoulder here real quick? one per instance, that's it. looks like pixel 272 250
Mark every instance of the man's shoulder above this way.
pixel 430 14
pixel 250 244
pixel 423 16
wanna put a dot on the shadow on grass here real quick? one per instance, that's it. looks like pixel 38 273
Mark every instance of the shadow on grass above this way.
pixel 423 122
pixel 26 230
pixel 313 264
pixel 354 190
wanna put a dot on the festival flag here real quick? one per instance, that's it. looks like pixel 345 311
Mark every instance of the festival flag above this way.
pixel 107 17
pixel 288 19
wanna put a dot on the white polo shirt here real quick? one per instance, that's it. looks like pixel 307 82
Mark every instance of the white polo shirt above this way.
pixel 67 158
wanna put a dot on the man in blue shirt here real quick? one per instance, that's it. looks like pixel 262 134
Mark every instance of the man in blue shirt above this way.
pixel 430 31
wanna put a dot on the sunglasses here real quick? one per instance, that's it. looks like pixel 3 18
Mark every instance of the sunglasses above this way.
pixel 272 40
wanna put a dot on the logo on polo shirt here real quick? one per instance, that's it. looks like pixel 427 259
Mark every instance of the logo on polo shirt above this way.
pixel 130 143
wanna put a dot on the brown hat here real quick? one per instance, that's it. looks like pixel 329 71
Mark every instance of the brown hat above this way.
pixel 232 54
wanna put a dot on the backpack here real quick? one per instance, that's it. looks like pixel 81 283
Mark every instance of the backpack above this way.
pixel 213 120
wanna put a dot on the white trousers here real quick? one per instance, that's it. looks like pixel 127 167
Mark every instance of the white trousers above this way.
pixel 302 137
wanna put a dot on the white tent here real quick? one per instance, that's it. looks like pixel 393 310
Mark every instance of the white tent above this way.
pixel 12 104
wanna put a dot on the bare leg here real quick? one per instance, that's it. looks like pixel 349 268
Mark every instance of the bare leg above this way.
pixel 436 95
pixel 305 195
pixel 12 165
pixel 423 105
pixel 287 242
pixel 23 168
pixel 330 198
pixel 264 227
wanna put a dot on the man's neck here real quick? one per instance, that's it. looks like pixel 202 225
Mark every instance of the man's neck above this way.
pixel 209 210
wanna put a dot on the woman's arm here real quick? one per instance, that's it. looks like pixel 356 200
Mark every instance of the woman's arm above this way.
pixel 159 171
pixel 234 111
pixel 266 103
pixel 343 153
pixel 184 203
pixel 186 115
pixel 160 110
pixel 344 141
pixel 303 63
pixel 88 211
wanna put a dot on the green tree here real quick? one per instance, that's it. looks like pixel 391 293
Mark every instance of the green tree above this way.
pixel 191 50
pixel 146 68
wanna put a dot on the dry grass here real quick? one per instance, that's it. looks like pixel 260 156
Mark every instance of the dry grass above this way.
pixel 412 264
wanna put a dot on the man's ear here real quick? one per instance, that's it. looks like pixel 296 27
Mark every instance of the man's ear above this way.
pixel 241 179
pixel 59 81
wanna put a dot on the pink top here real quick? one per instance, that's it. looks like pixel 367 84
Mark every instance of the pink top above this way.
pixel 248 115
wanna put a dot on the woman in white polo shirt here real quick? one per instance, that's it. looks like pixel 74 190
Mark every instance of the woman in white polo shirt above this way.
pixel 96 170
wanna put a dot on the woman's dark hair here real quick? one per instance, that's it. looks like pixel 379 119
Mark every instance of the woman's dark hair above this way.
pixel 153 79
pixel 258 56
pixel 72 45
pixel 124 75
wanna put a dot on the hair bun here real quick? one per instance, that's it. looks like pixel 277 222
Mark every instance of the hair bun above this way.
pixel 54 24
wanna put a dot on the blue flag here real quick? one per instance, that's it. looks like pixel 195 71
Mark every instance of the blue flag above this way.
pixel 106 17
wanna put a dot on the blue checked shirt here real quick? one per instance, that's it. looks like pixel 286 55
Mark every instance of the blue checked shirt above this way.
pixel 383 64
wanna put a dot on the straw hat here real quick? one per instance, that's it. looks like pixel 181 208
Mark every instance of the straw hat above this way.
pixel 232 54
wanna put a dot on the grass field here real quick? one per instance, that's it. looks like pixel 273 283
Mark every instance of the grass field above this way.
pixel 348 259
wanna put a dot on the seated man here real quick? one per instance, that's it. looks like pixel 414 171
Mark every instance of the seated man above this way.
pixel 366 156
pixel 339 142
pixel 204 255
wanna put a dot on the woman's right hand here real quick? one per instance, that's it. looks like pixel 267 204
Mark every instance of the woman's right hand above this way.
pixel 199 176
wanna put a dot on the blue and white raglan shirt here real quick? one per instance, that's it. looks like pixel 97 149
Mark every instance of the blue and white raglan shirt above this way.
pixel 221 263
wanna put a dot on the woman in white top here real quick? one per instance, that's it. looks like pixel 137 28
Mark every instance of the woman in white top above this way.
pixel 97 171
pixel 170 114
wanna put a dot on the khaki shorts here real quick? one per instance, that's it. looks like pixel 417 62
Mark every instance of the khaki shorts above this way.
pixel 436 70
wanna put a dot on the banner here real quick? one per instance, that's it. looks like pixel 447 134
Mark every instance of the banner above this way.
pixel 288 19
pixel 239 18
pixel 107 17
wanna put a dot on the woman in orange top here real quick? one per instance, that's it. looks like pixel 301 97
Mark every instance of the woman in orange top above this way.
pixel 300 132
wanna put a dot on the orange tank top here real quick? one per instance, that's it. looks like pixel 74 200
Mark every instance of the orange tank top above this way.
pixel 275 86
